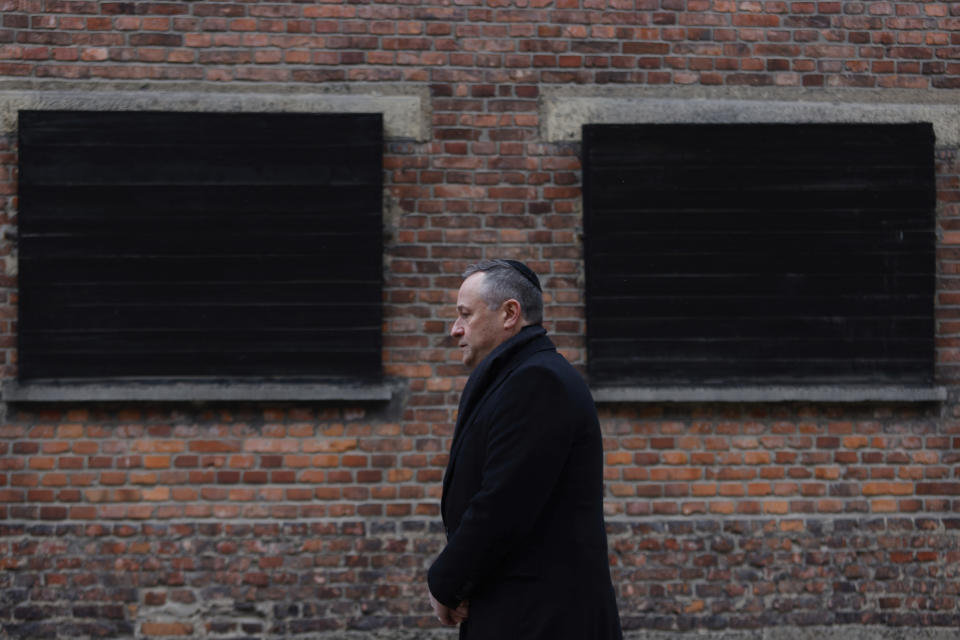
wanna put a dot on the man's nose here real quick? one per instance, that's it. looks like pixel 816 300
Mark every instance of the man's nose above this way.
pixel 456 330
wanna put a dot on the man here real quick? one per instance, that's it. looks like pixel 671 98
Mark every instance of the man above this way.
pixel 526 554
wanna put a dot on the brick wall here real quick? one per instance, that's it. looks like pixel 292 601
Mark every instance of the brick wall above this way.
pixel 309 520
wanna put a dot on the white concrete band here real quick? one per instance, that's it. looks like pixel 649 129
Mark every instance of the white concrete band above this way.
pixel 404 108
pixel 780 393
pixel 565 110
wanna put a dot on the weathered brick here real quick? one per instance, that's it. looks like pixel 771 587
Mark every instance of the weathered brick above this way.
pixel 166 629
pixel 484 183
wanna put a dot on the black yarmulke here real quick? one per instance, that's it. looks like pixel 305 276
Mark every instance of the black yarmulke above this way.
pixel 526 272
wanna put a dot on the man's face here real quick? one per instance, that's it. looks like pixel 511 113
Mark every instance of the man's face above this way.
pixel 478 329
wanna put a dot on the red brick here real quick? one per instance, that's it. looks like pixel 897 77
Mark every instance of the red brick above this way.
pixel 485 184
pixel 166 629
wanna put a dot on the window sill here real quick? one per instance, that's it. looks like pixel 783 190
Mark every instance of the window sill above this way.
pixel 786 393
pixel 194 391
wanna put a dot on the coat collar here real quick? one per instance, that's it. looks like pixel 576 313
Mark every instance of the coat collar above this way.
pixel 490 368
pixel 488 375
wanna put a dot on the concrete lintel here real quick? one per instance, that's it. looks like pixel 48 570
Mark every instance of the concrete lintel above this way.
pixel 785 393
pixel 194 391
pixel 565 111
pixel 403 108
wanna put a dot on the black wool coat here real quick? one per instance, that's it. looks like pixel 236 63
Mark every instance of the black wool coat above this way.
pixel 523 502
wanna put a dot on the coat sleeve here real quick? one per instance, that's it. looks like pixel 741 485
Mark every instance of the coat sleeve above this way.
pixel 529 439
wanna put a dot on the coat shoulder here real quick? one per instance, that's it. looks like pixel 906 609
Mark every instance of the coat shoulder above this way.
pixel 551 368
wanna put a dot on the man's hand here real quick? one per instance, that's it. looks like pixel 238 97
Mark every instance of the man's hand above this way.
pixel 446 615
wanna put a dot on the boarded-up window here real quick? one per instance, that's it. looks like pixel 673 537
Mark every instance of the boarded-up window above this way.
pixel 719 254
pixel 199 244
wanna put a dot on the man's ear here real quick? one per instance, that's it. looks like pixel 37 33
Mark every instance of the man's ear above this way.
pixel 512 316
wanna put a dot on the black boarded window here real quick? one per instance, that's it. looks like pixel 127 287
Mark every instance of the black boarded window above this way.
pixel 759 254
pixel 198 244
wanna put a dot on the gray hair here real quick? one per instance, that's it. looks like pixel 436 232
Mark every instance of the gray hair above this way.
pixel 503 282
